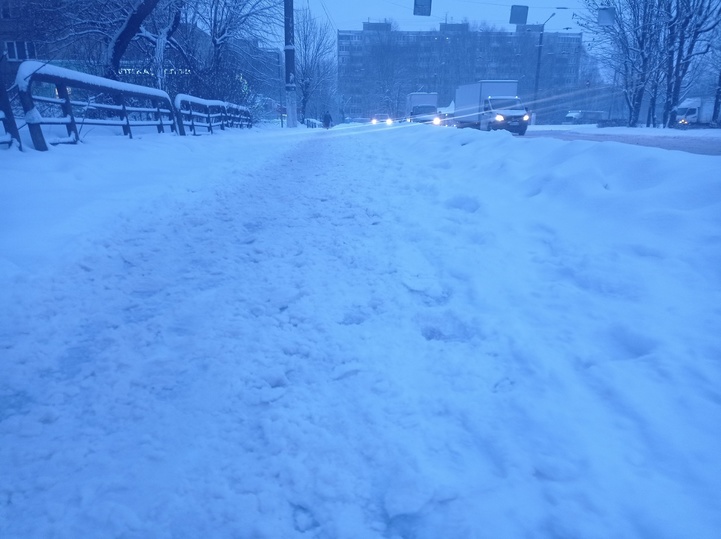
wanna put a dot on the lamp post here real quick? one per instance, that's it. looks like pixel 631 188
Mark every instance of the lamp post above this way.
pixel 538 62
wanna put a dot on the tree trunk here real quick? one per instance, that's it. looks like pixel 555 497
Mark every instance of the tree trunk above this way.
pixel 119 44
pixel 635 111
pixel 717 102
pixel 161 42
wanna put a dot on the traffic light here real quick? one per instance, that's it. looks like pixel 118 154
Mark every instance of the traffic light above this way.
pixel 422 7
pixel 519 15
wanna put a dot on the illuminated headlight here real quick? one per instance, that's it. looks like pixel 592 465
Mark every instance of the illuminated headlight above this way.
pixel 500 118
pixel 683 121
pixel 436 121
pixel 374 121
pixel 389 121
pixel 526 117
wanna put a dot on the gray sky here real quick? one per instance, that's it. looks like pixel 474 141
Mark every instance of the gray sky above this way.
pixel 351 14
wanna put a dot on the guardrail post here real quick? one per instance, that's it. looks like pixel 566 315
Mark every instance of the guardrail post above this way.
pixel 67 108
pixel 159 116
pixel 11 128
pixel 192 118
pixel 36 130
pixel 124 116
pixel 180 120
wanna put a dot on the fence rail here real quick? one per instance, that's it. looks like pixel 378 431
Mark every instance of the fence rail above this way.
pixel 206 114
pixel 53 96
pixel 238 116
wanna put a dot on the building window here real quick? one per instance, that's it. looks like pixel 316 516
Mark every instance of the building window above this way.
pixel 20 50
pixel 7 9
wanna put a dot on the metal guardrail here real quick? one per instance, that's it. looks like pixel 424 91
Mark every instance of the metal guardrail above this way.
pixel 71 99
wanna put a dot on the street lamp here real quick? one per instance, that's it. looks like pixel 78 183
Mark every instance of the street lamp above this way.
pixel 538 62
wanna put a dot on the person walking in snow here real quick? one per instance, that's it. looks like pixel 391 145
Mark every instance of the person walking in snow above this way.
pixel 327 120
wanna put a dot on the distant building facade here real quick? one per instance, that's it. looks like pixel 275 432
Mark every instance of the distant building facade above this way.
pixel 18 39
pixel 379 66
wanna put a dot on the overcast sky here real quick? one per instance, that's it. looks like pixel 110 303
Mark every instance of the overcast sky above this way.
pixel 351 14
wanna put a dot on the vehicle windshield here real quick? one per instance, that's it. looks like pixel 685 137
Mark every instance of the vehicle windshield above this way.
pixel 424 109
pixel 506 103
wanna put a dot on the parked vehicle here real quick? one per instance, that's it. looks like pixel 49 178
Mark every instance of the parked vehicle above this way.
pixel 490 105
pixel 584 117
pixel 695 112
pixel 422 107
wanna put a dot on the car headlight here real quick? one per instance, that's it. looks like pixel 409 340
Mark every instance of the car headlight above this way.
pixel 436 121
pixel 526 117
pixel 389 121
pixel 500 118
pixel 374 121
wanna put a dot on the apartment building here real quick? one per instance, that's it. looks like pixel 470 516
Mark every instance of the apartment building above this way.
pixel 19 40
pixel 378 66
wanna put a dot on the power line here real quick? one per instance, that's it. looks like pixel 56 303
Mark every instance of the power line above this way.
pixel 327 14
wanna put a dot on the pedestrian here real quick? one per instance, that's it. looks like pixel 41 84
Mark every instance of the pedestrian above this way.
pixel 327 120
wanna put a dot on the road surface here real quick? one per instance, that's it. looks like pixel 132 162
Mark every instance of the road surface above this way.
pixel 685 141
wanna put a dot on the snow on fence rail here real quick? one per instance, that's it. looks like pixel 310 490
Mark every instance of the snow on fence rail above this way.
pixel 207 114
pixel 56 96
pixel 238 115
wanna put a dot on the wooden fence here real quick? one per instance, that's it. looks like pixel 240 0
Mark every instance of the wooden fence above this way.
pixel 56 97
pixel 205 114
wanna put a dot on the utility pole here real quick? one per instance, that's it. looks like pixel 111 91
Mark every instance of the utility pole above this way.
pixel 290 96
pixel 538 63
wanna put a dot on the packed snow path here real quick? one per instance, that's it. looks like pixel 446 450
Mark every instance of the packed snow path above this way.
pixel 370 333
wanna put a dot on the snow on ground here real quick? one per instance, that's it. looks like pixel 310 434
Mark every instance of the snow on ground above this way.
pixel 638 131
pixel 365 332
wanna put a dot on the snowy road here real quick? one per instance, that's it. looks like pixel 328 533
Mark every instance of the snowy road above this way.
pixel 685 141
pixel 359 333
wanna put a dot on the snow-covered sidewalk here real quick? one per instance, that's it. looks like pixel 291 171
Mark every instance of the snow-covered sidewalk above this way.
pixel 359 333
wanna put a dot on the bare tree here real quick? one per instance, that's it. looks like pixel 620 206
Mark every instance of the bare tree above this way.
pixel 314 49
pixel 226 21
pixel 689 26
pixel 630 47
pixel 158 32
pixel 652 45
pixel 203 35
pixel 715 69
pixel 102 30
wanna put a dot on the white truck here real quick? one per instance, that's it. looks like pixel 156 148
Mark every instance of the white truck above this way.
pixel 490 105
pixel 695 111
pixel 423 107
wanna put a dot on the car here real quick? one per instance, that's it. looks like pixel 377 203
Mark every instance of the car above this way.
pixel 381 119
pixel 427 114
